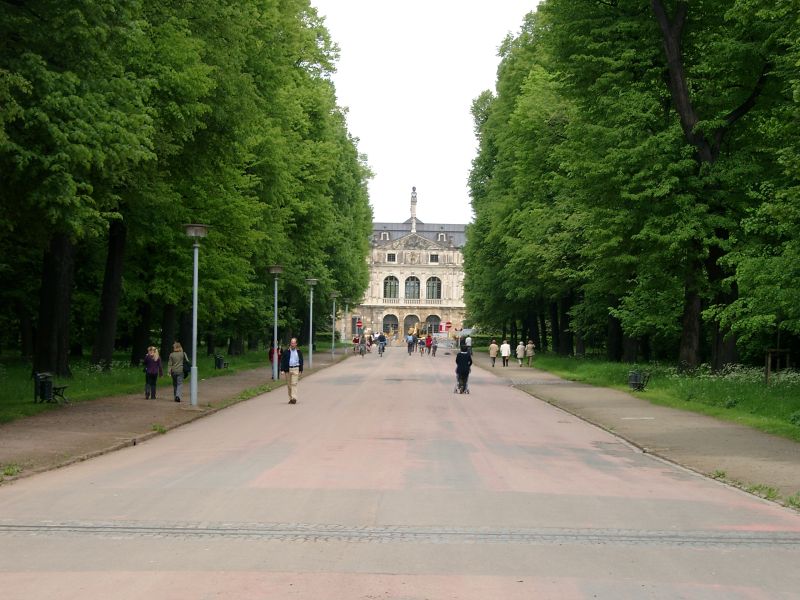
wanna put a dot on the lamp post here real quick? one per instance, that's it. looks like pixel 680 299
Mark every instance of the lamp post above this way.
pixel 275 270
pixel 195 231
pixel 344 319
pixel 311 283
pixel 334 295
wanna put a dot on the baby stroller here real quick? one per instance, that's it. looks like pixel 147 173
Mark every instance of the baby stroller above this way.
pixel 462 384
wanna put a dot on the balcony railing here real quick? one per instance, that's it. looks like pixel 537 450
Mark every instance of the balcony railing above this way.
pixel 425 301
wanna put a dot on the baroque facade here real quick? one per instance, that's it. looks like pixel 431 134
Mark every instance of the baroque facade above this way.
pixel 416 278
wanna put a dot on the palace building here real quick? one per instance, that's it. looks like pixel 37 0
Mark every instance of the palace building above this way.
pixel 416 278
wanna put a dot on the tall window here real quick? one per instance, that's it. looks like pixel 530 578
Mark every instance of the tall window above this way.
pixel 412 288
pixel 442 237
pixel 434 289
pixel 384 235
pixel 391 287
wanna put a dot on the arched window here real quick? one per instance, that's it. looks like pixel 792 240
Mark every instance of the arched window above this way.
pixel 432 323
pixel 391 287
pixel 390 324
pixel 410 323
pixel 412 288
pixel 433 289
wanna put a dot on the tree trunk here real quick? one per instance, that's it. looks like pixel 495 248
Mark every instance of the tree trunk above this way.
pixel 723 347
pixel 565 337
pixel 236 345
pixel 645 348
pixel 168 327
pixel 211 346
pixel 630 349
pixel 141 332
pixel 580 346
pixel 25 330
pixel 185 332
pixel 614 339
pixel 514 334
pixel 51 353
pixel 535 336
pixel 723 342
pixel 253 342
pixel 689 352
pixel 543 331
pixel 103 350
pixel 554 327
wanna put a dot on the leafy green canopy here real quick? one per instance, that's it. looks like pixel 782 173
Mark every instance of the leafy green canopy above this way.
pixel 156 114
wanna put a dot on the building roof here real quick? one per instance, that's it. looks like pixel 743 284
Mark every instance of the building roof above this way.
pixel 455 232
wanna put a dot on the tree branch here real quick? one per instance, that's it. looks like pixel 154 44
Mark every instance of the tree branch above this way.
pixel 671 30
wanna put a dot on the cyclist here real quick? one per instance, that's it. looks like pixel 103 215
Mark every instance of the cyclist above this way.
pixel 381 343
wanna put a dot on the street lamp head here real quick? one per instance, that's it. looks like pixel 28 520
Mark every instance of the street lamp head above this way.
pixel 196 230
pixel 312 282
pixel 276 269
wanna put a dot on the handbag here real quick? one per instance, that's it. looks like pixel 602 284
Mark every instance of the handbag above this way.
pixel 187 365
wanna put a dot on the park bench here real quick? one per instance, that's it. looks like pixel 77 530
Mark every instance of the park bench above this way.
pixel 638 380
pixel 220 362
pixel 45 391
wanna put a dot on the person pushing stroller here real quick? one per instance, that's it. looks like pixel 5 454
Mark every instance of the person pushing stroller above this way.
pixel 463 367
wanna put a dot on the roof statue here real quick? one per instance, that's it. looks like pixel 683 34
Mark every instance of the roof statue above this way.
pixel 413 209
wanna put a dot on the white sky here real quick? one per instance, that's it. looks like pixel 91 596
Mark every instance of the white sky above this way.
pixel 408 73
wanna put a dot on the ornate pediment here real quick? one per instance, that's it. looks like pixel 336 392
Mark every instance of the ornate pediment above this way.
pixel 413 241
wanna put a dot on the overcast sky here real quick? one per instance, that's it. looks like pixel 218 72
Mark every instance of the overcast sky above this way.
pixel 408 74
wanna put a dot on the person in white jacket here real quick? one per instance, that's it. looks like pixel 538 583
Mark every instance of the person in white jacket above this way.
pixel 505 352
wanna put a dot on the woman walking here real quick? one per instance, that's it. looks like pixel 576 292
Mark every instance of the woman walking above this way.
pixel 152 371
pixel 530 351
pixel 176 370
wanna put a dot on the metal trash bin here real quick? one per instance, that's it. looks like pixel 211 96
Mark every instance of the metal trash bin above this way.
pixel 635 380
pixel 219 362
pixel 43 387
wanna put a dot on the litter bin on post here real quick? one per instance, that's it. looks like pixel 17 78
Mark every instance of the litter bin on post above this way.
pixel 219 361
pixel 43 387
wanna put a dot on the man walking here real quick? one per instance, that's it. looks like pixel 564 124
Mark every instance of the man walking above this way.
pixel 292 365
pixel 493 350
pixel 505 352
